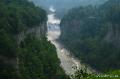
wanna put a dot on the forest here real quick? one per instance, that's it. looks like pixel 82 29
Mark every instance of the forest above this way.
pixel 33 58
pixel 92 34
pixel 38 60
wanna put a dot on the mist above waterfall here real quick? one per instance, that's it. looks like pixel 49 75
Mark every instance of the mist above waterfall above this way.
pixel 52 9
pixel 66 4
pixel 51 17
pixel 62 6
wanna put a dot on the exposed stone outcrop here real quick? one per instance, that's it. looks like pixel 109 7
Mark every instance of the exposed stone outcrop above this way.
pixel 113 34
pixel 38 31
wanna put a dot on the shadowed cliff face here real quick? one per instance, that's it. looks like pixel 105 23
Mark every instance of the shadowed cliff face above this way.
pixel 93 34
pixel 111 11
pixel 113 34
pixel 37 31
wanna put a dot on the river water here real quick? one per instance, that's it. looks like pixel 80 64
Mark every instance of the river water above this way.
pixel 67 61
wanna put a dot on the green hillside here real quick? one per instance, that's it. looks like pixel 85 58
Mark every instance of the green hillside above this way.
pixel 34 58
pixel 92 35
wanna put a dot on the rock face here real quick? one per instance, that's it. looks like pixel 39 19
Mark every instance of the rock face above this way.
pixel 113 34
pixel 37 31
pixel 93 34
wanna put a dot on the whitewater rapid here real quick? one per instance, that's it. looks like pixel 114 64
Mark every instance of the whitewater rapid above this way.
pixel 68 62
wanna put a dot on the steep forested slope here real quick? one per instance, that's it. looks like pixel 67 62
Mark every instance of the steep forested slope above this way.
pixel 38 60
pixel 32 57
pixel 93 34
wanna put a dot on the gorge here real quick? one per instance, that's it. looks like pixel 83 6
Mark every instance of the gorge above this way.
pixel 68 62
pixel 56 39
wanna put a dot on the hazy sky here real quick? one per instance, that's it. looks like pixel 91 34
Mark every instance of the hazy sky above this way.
pixel 66 3
pixel 62 6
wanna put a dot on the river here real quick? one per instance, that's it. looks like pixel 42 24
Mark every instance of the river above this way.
pixel 67 61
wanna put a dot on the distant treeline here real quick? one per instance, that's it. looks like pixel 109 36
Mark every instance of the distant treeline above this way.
pixel 93 34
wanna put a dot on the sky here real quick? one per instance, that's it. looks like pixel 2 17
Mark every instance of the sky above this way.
pixel 62 6
pixel 66 3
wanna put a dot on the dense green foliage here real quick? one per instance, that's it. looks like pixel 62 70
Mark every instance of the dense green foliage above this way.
pixel 81 74
pixel 92 34
pixel 38 60
pixel 33 58
pixel 17 15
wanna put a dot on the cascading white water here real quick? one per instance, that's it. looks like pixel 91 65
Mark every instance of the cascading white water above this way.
pixel 67 61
